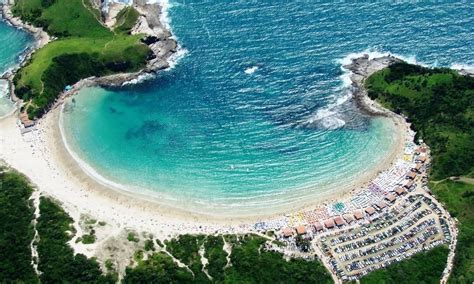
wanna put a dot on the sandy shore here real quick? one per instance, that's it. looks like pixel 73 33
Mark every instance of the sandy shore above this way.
pixel 40 155
pixel 43 157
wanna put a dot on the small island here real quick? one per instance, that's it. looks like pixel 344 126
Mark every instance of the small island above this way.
pixel 413 220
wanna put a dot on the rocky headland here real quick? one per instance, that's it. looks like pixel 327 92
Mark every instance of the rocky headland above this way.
pixel 149 24
pixel 360 69
pixel 158 38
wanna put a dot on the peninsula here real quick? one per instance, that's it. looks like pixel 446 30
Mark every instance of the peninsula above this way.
pixel 116 45
pixel 412 218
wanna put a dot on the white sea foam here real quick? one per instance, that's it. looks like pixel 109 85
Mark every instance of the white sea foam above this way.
pixel 166 21
pixel 327 119
pixel 141 78
pixel 328 116
pixel 460 66
pixel 373 53
pixel 251 70
pixel 7 107
pixel 174 59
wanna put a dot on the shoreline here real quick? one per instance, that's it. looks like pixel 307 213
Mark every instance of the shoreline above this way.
pixel 332 194
pixel 150 24
pixel 40 39
pixel 88 196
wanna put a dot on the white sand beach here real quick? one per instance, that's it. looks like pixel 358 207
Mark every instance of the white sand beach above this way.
pixel 42 156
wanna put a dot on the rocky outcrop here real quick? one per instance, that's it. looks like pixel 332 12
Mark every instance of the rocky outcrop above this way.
pixel 361 68
pixel 158 38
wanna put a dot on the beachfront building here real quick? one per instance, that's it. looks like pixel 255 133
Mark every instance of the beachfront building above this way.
pixel 370 210
pixel 329 224
pixel 301 230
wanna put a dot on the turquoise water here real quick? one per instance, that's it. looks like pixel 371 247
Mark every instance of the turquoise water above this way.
pixel 12 43
pixel 255 117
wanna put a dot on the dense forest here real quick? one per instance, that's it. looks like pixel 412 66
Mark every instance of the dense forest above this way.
pixel 425 267
pixel 57 260
pixel 248 262
pixel 16 231
pixel 440 104
pixel 459 199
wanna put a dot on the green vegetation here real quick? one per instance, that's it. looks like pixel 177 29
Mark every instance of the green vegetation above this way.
pixel 158 268
pixel 216 256
pixel 16 231
pixel 132 238
pixel 250 263
pixel 57 261
pixel 149 245
pixel 84 48
pixel 440 104
pixel 425 267
pixel 88 239
pixel 126 19
pixel 459 199
pixel 186 249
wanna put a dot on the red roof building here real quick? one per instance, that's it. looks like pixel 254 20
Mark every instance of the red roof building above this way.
pixel 390 197
pixel 288 232
pixel 370 210
pixel 301 230
pixel 359 215
pixel 338 220
pixel 329 223
pixel 348 217
pixel 318 226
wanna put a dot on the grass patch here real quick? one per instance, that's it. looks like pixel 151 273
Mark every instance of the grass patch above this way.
pixel 186 249
pixel 149 245
pixel 126 20
pixel 249 263
pixel 159 267
pixel 216 256
pixel 84 48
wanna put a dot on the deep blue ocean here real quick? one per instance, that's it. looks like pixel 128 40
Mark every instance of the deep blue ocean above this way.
pixel 255 117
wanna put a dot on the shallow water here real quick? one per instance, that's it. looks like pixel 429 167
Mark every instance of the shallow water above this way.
pixel 12 44
pixel 255 117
